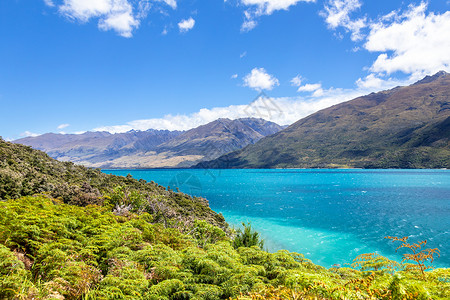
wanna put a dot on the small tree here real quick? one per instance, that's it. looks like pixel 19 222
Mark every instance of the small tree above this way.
pixel 247 237
pixel 419 256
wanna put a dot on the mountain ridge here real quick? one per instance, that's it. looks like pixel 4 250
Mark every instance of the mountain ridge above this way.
pixel 388 129
pixel 154 148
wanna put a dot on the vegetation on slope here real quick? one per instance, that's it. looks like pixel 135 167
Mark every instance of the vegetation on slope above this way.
pixel 24 172
pixel 67 232
pixel 52 250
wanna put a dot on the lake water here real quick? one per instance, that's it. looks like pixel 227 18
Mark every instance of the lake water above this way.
pixel 330 216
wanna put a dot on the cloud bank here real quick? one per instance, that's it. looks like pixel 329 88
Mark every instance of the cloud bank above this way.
pixel 411 41
pixel 284 110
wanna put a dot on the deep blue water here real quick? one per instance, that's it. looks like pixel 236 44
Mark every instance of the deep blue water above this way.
pixel 330 216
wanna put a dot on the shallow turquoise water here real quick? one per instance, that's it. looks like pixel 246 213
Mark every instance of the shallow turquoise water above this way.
pixel 331 216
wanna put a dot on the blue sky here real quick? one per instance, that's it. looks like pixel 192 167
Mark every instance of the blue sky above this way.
pixel 77 65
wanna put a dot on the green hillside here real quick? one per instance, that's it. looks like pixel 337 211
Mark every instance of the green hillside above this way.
pixel 406 127
pixel 24 172
pixel 68 232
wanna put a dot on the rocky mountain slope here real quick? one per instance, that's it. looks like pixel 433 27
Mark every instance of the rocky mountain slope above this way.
pixel 153 148
pixel 405 127
pixel 91 148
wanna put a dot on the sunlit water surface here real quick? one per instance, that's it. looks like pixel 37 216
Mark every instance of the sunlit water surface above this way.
pixel 330 216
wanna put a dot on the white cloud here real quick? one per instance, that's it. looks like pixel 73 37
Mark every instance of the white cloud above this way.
pixel 62 126
pixel 257 8
pixel 234 76
pixel 258 79
pixel 243 54
pixel 114 15
pixel 413 42
pixel 296 81
pixel 122 16
pixel 248 25
pixel 310 87
pixel 171 3
pixel 28 134
pixel 376 82
pixel 283 111
pixel 267 7
pixel 337 14
pixel 186 25
pixel 288 111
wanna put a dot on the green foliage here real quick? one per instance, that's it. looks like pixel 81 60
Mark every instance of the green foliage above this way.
pixel 49 249
pixel 15 280
pixel 247 237
pixel 205 233
pixel 94 236
pixel 25 172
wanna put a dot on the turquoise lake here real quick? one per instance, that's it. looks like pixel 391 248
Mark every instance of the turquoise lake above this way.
pixel 330 216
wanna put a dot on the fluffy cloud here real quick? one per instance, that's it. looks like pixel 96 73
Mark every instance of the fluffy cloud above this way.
pixel 413 42
pixel 314 88
pixel 62 126
pixel 257 8
pixel 258 79
pixel 186 25
pixel 122 16
pixel 337 14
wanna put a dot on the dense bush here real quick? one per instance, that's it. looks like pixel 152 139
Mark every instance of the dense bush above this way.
pixel 25 172
pixel 49 249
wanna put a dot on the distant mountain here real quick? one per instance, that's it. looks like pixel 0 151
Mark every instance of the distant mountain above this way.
pixel 96 148
pixel 154 148
pixel 405 127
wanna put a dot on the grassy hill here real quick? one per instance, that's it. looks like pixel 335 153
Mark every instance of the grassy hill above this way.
pixel 406 127
pixel 68 232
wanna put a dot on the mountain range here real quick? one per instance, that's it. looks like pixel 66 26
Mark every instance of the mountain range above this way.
pixel 153 148
pixel 405 127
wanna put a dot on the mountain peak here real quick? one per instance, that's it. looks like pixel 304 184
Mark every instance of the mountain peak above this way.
pixel 428 79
